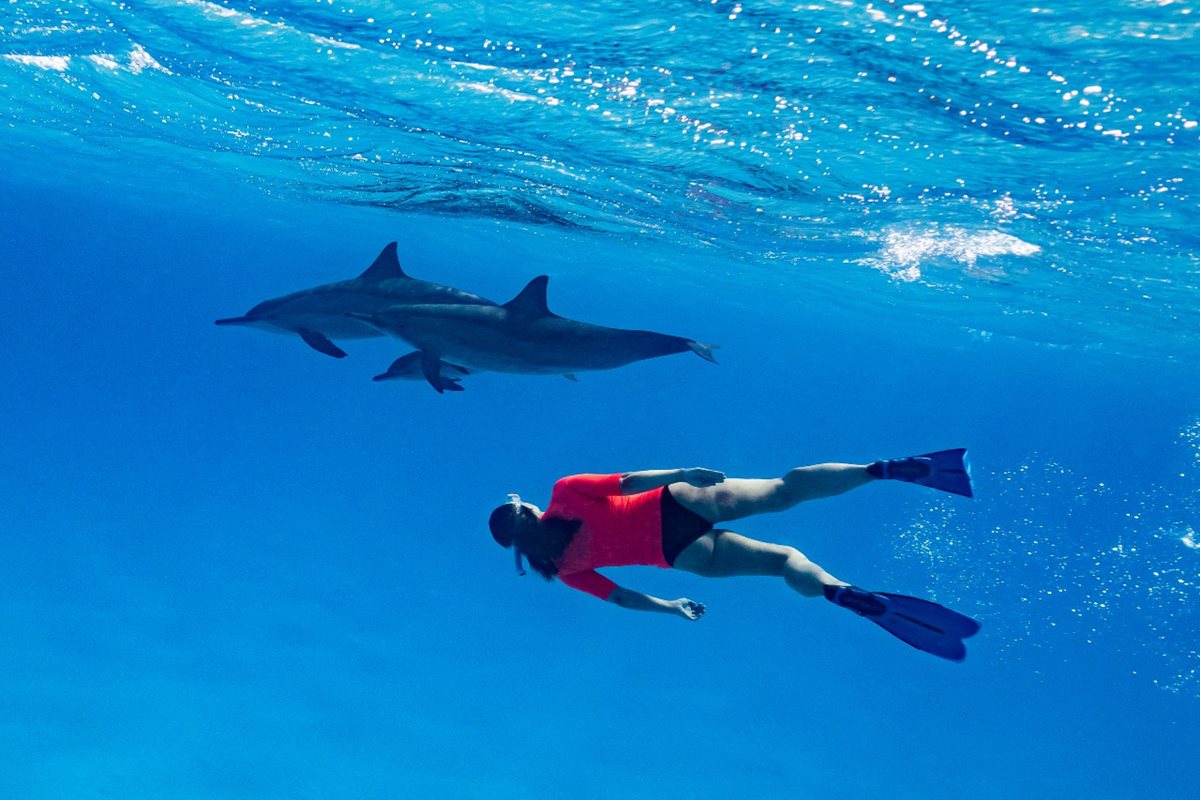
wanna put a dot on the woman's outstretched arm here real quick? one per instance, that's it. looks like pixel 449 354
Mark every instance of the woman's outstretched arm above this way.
pixel 647 479
pixel 627 598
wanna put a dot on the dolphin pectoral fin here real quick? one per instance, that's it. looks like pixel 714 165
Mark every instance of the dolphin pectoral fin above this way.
pixel 703 350
pixel 570 377
pixel 451 385
pixel 431 367
pixel 320 342
pixel 446 365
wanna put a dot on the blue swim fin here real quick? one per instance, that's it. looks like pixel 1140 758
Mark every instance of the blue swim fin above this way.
pixel 948 470
pixel 924 625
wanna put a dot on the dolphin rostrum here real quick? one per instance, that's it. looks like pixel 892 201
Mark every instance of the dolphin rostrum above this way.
pixel 521 336
pixel 319 314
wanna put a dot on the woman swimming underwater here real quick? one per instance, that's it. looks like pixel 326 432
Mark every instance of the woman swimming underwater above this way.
pixel 666 518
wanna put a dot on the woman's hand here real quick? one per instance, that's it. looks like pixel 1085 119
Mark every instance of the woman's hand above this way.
pixel 628 598
pixel 703 478
pixel 688 609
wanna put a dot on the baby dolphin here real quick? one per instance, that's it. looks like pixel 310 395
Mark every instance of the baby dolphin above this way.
pixel 319 314
pixel 409 368
pixel 521 336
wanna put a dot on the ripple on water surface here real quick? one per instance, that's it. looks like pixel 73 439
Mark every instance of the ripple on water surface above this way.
pixel 944 146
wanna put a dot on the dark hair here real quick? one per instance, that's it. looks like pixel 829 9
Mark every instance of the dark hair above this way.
pixel 542 542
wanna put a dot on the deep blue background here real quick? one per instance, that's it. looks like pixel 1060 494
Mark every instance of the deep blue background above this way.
pixel 234 567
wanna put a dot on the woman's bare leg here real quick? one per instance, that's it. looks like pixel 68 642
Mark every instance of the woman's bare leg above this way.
pixel 725 554
pixel 742 497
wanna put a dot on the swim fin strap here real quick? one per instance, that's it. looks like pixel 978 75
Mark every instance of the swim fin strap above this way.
pixel 923 624
pixel 947 470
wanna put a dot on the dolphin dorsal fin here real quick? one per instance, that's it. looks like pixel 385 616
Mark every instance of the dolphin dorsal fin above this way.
pixel 384 267
pixel 531 302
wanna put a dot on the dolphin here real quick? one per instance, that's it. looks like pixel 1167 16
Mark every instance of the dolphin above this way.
pixel 521 336
pixel 319 314
pixel 409 368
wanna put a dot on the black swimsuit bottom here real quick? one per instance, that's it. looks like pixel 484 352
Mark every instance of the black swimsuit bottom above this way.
pixel 680 527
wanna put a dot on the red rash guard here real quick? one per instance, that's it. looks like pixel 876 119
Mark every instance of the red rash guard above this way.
pixel 617 531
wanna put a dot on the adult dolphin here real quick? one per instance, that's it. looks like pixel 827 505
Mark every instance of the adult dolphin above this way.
pixel 521 336
pixel 319 314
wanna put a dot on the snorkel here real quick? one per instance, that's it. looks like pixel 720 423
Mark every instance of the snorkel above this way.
pixel 514 500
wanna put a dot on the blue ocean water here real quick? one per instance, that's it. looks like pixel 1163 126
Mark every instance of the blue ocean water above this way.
pixel 233 567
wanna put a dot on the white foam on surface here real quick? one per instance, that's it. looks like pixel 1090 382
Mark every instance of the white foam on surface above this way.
pixel 903 254
pixel 51 63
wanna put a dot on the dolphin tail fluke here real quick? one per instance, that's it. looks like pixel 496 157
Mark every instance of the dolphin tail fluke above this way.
pixel 234 321
pixel 703 350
